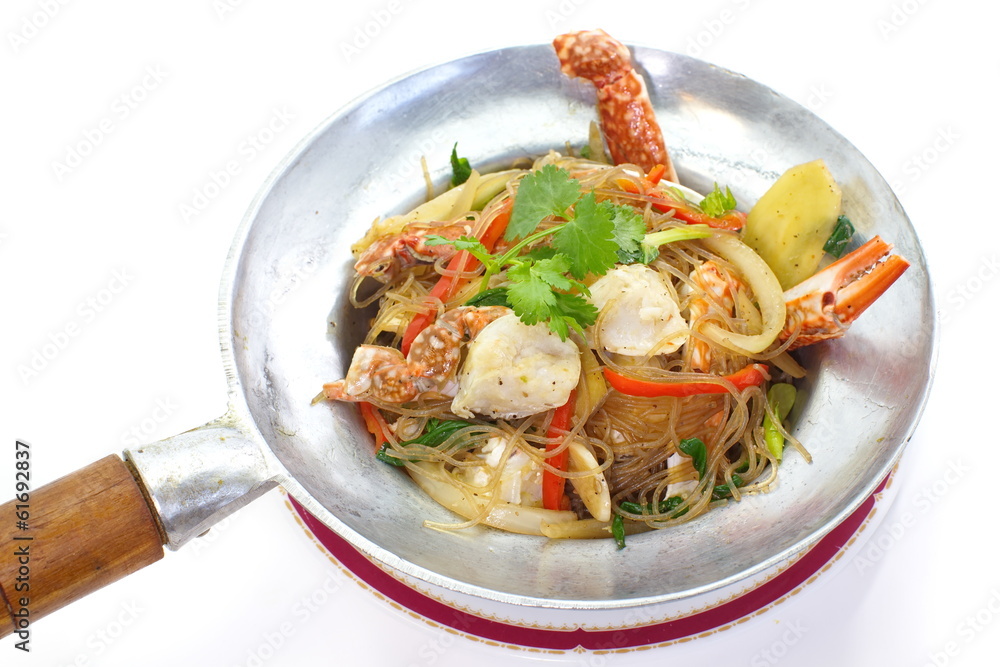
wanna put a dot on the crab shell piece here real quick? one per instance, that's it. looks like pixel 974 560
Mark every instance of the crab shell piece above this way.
pixel 825 305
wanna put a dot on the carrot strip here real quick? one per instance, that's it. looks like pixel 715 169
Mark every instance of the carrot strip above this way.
pixel 376 425
pixel 656 173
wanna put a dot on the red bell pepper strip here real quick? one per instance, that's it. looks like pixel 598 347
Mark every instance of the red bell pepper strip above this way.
pixel 751 376
pixel 448 285
pixel 553 485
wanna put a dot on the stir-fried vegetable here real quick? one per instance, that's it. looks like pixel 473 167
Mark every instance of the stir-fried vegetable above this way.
pixel 750 376
pixel 436 432
pixel 766 289
pixel 781 397
pixel 553 485
pixel 695 448
pixel 841 236
pixel 790 223
pixel 460 167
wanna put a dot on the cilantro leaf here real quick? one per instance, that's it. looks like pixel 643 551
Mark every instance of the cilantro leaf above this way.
pixel 531 297
pixel 578 312
pixel 588 238
pixel 716 203
pixel 630 229
pixel 548 191
pixel 552 272
pixel 460 167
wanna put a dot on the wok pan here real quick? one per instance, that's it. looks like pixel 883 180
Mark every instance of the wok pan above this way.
pixel 286 326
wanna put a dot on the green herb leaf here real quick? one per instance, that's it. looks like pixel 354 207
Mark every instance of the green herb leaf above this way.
pixel 473 245
pixel 618 531
pixel 460 167
pixel 588 239
pixel 716 203
pixel 696 449
pixel 496 296
pixel 531 297
pixel 629 227
pixel 840 237
pixel 575 310
pixel 547 191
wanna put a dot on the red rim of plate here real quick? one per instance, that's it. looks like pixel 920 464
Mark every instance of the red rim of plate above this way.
pixel 759 598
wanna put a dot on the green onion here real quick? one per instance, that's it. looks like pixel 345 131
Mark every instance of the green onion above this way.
pixel 618 531
pixel 662 507
pixel 781 398
pixel 723 491
pixel 436 432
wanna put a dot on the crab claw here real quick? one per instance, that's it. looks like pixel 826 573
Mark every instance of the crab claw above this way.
pixel 825 305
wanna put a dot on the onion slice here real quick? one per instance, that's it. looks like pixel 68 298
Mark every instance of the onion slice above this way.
pixel 766 289
pixel 506 516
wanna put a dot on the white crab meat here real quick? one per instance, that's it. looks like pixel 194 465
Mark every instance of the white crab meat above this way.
pixel 520 478
pixel 638 312
pixel 514 370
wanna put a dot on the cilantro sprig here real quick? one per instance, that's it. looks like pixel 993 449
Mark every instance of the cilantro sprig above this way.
pixel 585 237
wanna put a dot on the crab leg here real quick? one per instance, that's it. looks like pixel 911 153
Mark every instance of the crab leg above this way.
pixel 623 104
pixel 825 305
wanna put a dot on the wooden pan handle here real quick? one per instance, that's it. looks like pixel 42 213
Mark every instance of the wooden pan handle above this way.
pixel 84 531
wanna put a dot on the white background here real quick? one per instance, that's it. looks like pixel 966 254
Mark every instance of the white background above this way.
pixel 910 83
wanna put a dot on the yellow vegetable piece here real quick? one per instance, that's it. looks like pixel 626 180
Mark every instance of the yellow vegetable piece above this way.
pixel 790 223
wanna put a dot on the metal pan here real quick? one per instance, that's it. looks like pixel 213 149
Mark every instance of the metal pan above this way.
pixel 286 326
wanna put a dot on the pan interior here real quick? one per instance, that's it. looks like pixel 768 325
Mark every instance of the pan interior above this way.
pixel 292 327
